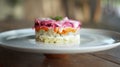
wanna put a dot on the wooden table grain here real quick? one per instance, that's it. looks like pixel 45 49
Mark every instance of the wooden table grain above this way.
pixel 11 58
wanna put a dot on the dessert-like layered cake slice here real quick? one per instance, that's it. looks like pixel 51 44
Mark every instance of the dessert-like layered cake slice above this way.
pixel 57 30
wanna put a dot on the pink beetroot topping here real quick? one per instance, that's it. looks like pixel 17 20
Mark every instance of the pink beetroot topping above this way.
pixel 51 23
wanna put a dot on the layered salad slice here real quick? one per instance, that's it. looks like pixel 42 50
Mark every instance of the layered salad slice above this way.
pixel 57 30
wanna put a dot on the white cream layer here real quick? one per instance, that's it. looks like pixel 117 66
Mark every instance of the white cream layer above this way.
pixel 54 38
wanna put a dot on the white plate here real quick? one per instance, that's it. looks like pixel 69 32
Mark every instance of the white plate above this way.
pixel 92 40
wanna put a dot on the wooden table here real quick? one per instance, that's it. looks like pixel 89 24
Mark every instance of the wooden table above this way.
pixel 11 58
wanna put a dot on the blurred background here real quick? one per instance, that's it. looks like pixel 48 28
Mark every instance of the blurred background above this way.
pixel 105 12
